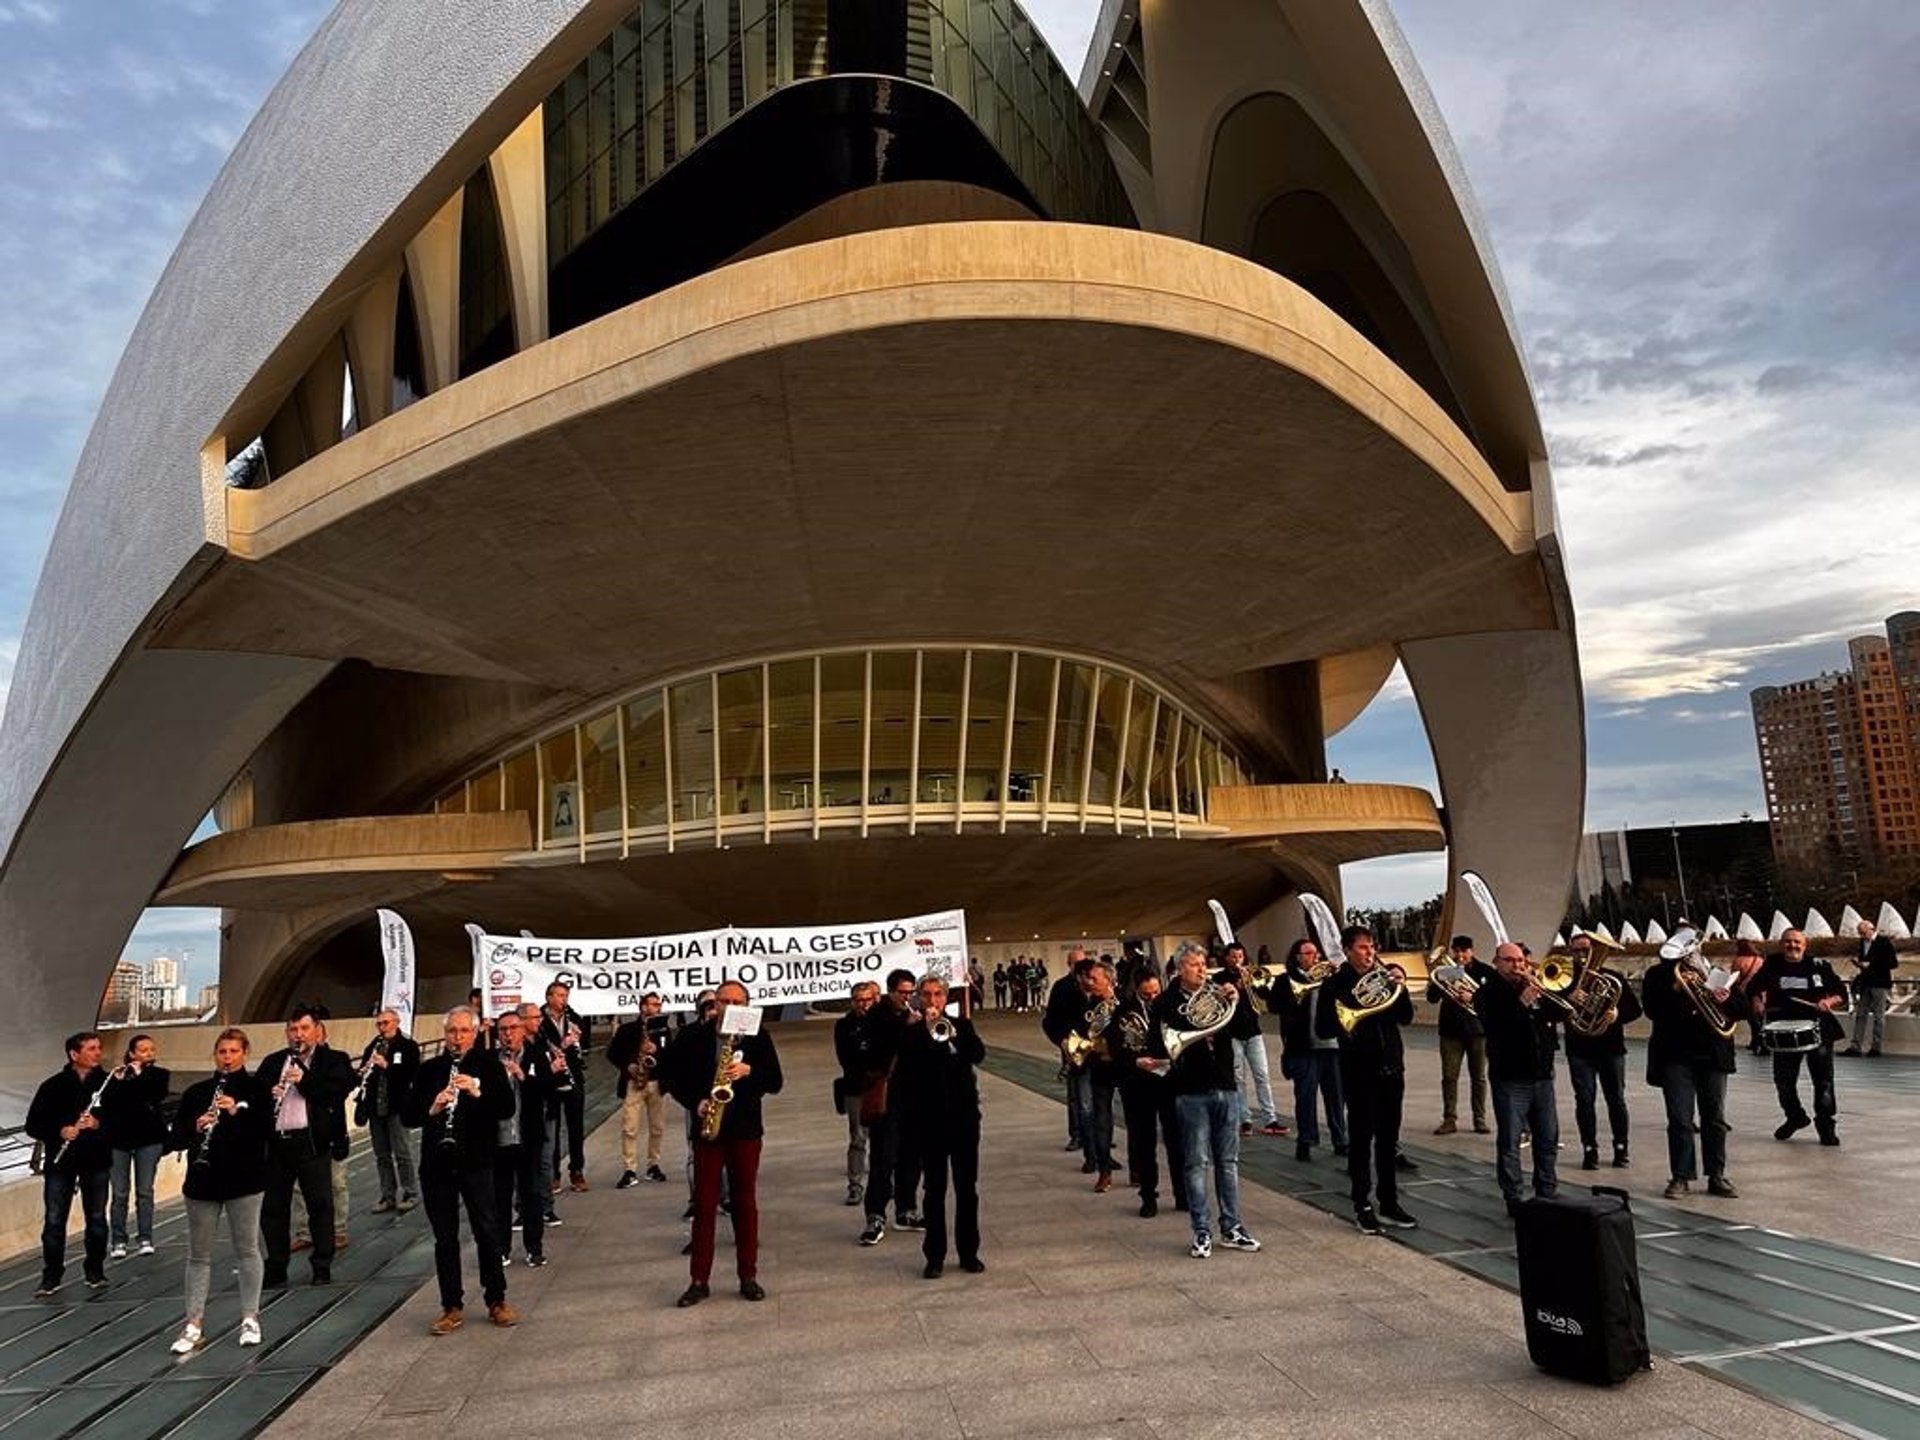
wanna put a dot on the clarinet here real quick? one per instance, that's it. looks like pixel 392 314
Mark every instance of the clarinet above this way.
pixel 93 1108
pixel 294 1057
pixel 448 1139
pixel 204 1154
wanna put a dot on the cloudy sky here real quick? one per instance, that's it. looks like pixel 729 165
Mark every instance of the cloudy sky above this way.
pixel 1706 215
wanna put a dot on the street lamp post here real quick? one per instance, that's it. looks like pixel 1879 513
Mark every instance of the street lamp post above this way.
pixel 1679 870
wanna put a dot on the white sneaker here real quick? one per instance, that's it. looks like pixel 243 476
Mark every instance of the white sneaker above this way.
pixel 1238 1239
pixel 188 1342
pixel 146 1247
pixel 118 1252
pixel 249 1332
pixel 1202 1247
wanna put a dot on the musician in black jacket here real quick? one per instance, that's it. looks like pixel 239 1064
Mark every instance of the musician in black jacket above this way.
pixel 223 1124
pixel 1310 1061
pixel 1066 1007
pixel 1794 985
pixel 134 1112
pixel 565 1032
pixel 1205 1096
pixel 64 1117
pixel 310 1081
pixel 1876 960
pixel 1373 1076
pixel 520 1147
pixel 1689 1060
pixel 1600 1061
pixel 1093 1081
pixel 457 1103
pixel 387 1068
pixel 893 1165
pixel 1521 1043
pixel 690 1073
pixel 1146 1098
pixel 940 1104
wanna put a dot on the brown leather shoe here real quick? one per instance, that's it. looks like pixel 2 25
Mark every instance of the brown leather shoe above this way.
pixel 580 1186
pixel 1104 1183
pixel 450 1320
pixel 503 1314
pixel 1445 1127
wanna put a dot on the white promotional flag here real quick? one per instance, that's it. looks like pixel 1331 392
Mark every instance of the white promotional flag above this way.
pixel 778 965
pixel 397 989
pixel 474 937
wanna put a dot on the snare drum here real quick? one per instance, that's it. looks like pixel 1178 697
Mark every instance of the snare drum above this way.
pixel 1790 1037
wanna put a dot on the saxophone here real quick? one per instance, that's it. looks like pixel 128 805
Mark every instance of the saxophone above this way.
pixel 721 1095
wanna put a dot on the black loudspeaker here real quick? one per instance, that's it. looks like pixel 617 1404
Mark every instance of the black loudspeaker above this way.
pixel 1580 1287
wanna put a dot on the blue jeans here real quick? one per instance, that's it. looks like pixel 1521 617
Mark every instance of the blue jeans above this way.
pixel 1685 1087
pixel 1250 1060
pixel 1312 1072
pixel 1523 1105
pixel 1212 1133
pixel 1094 1095
pixel 57 1189
pixel 138 1165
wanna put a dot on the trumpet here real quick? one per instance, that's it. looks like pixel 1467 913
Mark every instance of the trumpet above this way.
pixel 721 1095
pixel 941 1030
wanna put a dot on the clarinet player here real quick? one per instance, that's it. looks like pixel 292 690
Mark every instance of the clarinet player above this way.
pixel 457 1103
pixel 222 1125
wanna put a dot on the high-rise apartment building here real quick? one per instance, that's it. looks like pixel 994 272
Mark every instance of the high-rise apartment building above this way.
pixel 1837 753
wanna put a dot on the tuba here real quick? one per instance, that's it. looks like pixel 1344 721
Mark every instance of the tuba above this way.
pixel 1375 990
pixel 1690 979
pixel 1207 1010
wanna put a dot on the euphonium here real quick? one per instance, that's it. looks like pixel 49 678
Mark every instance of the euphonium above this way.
pixel 1589 995
pixel 721 1095
pixel 1455 983
pixel 1689 977
pixel 1375 990
pixel 1207 1010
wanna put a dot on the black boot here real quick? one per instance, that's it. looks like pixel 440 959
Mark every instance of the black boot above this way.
pixel 1589 1158
pixel 1620 1161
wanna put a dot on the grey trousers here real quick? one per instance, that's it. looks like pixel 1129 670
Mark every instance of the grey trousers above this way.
pixel 243 1228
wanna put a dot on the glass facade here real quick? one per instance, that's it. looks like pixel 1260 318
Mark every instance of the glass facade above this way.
pixel 674 71
pixel 937 738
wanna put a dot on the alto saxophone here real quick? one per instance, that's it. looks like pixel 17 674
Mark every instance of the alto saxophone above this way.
pixel 721 1095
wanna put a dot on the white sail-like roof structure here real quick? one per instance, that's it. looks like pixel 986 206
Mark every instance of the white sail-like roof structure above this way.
pixel 1747 928
pixel 1715 930
pixel 1890 924
pixel 1779 927
pixel 1817 927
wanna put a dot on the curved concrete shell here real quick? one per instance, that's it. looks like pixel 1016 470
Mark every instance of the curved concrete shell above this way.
pixel 910 408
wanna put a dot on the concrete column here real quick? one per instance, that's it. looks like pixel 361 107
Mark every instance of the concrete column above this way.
pixel 370 346
pixel 433 267
pixel 519 171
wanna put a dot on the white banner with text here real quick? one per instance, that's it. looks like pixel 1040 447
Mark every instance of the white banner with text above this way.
pixel 778 965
